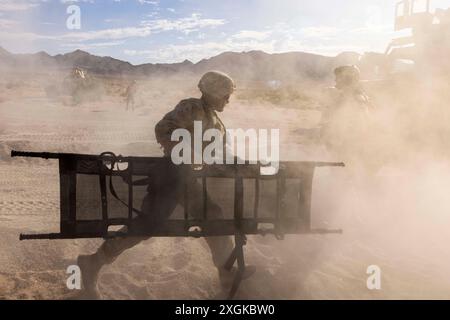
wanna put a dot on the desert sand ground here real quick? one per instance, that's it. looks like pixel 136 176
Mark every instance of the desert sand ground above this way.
pixel 396 219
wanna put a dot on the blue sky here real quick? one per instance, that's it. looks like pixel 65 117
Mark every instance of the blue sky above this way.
pixel 142 31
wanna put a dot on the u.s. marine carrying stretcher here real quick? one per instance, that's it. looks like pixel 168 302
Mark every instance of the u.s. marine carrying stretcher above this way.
pixel 100 193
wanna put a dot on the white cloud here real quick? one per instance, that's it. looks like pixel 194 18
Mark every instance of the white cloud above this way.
pixel 23 36
pixel 7 23
pixel 321 31
pixel 249 34
pixel 109 34
pixel 152 2
pixel 18 5
pixel 75 1
pixel 93 45
pixel 184 25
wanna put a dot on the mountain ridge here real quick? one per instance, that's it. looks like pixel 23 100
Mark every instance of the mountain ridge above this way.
pixel 251 65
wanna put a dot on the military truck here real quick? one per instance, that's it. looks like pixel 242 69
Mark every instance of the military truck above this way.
pixel 418 59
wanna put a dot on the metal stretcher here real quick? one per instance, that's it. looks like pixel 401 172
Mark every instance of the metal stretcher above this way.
pixel 99 193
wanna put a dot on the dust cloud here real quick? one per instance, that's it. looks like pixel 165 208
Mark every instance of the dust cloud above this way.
pixel 392 199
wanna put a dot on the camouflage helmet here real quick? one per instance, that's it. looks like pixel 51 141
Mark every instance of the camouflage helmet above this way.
pixel 217 84
pixel 350 73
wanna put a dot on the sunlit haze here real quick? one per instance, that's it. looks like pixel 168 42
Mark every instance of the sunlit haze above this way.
pixel 142 31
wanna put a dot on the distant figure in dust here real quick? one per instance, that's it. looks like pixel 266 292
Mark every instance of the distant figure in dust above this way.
pixel 344 124
pixel 166 186
pixel 76 84
pixel 131 95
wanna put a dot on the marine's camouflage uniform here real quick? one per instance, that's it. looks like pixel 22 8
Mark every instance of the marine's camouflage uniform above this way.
pixel 183 116
pixel 166 187
pixel 345 121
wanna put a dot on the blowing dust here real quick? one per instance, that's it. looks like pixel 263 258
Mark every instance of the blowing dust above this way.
pixel 391 200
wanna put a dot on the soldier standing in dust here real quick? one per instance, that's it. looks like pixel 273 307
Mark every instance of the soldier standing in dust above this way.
pixel 344 126
pixel 166 186
pixel 131 95
pixel 76 85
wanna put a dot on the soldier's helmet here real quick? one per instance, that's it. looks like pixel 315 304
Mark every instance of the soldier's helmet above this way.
pixel 216 84
pixel 348 74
